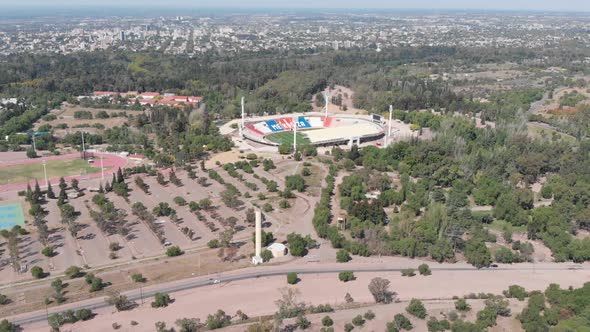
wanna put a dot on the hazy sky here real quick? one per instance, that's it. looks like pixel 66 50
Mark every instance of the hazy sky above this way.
pixel 564 5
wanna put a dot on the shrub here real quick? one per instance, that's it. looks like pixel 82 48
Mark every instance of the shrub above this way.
pixel 358 320
pixel 213 244
pixel 369 315
pixel 515 291
pixel 346 276
pixel 348 327
pixel 73 272
pixel 461 305
pixel 435 325
pixel 37 272
pixel 292 278
pixel 342 256
pixel 138 277
pixel 4 299
pixel 416 308
pixel 174 251
pixel 48 251
pixel 303 323
pixel 114 246
pixel 83 314
pixel 284 204
pixel 266 255
pixel 327 321
pixel 408 272
pixel 424 270
pixel 179 201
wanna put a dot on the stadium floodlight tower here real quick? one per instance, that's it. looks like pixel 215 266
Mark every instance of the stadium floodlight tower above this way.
pixel 243 116
pixel 295 135
pixel 389 130
pixel 327 97
pixel 257 259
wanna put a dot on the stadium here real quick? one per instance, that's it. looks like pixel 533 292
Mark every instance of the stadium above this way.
pixel 314 129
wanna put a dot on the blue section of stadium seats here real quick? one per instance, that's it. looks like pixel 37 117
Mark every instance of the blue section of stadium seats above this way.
pixel 274 126
pixel 302 123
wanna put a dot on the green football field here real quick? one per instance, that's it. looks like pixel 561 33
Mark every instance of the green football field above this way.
pixel 55 168
pixel 287 138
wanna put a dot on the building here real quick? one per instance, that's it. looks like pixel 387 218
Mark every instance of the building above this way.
pixel 278 250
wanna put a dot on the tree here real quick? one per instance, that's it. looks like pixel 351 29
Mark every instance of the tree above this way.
pixel 37 272
pixel 6 326
pixel 31 153
pixel 50 193
pixel 161 300
pixel 379 288
pixel 121 302
pixel 342 256
pixel 292 278
pixel 486 318
pixel 4 299
pixel 327 321
pixel 285 148
pixel 174 251
pixel 402 322
pixel 416 308
pixel 478 254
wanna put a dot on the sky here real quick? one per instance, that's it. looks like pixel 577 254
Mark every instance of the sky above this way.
pixel 534 5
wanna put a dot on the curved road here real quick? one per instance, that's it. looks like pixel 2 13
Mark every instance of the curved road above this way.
pixel 253 273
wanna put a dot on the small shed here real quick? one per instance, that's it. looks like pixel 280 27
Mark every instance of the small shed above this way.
pixel 278 249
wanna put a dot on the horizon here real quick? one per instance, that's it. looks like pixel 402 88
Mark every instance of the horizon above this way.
pixel 69 7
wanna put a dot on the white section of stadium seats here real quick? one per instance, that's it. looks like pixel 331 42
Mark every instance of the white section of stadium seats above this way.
pixel 315 122
pixel 263 128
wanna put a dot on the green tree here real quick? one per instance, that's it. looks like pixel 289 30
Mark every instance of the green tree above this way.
pixel 161 300
pixel 416 308
pixel 342 256
pixel 292 278
pixel 477 253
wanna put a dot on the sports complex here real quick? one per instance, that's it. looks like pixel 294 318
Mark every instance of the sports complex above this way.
pixel 314 129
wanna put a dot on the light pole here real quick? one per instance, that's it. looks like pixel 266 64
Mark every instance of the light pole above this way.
pixel 45 172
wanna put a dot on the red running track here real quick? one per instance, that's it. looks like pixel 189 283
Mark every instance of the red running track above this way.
pixel 111 163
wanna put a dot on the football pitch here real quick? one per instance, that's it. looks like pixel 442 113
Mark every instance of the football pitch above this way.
pixel 55 168
pixel 287 138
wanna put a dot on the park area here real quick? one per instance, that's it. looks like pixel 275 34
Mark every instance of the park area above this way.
pixel 21 173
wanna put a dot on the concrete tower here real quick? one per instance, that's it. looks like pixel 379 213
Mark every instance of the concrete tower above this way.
pixel 257 259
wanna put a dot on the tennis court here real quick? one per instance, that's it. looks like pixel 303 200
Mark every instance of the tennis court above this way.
pixel 11 215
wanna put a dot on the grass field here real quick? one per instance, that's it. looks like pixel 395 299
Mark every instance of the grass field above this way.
pixel 55 168
pixel 287 137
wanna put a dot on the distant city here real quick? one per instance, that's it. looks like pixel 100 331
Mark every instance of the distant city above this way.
pixel 306 32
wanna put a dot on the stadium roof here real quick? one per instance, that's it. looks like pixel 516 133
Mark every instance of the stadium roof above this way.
pixel 329 134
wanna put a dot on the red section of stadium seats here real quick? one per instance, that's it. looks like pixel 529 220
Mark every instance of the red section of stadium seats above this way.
pixel 251 127
pixel 327 122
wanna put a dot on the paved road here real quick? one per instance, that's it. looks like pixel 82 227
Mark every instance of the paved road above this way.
pixel 253 273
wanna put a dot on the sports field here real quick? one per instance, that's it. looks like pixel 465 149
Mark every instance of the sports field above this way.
pixel 287 138
pixel 11 215
pixel 55 168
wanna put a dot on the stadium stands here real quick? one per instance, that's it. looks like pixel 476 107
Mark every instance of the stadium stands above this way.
pixel 325 130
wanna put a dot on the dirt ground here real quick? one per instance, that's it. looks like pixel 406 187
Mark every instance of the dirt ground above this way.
pixel 65 114
pixel 326 289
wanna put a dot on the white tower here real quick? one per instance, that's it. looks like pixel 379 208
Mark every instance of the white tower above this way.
pixel 243 116
pixel 389 131
pixel 258 250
